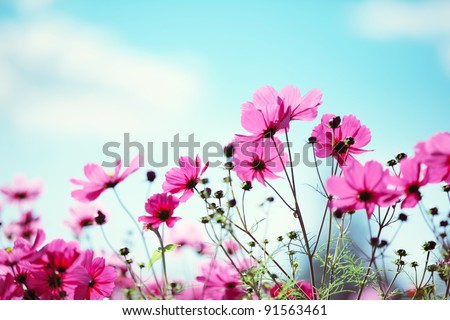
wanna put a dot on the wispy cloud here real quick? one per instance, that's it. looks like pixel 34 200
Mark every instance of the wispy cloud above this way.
pixel 62 76
pixel 426 21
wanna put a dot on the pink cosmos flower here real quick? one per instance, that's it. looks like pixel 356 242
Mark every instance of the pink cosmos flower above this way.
pixel 160 207
pixel 303 285
pixel 83 215
pixel 231 246
pixel 185 178
pixel 340 140
pixel 58 272
pixel 22 250
pixel 361 187
pixel 302 107
pixel 435 153
pixel 26 227
pixel 412 178
pixel 16 261
pixel 259 160
pixel 192 293
pixel 221 281
pixel 99 180
pixel 266 115
pixel 22 191
pixel 101 284
pixel 189 234
pixel 8 287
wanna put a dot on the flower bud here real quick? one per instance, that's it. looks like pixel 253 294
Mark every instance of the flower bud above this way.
pixel 292 235
pixel 402 217
pixel 374 241
pixel 232 203
pixel 228 150
pixel 228 165
pixel 206 193
pixel 312 140
pixel 401 253
pixel 430 245
pixel 100 219
pixel 383 243
pixel 446 188
pixel 124 251
pixel 151 176
pixel 432 268
pixel 433 211
pixel 400 156
pixel 218 194
pixel 270 199
pixel 334 122
pixel 391 163
pixel 349 141
pixel 247 185
pixel 399 262
pixel 205 220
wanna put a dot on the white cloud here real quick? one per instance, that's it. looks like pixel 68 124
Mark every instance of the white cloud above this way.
pixel 63 77
pixel 427 21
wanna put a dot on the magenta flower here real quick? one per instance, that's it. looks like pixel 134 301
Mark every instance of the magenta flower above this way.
pixel 185 178
pixel 221 281
pixel 231 246
pixel 191 235
pixel 412 178
pixel 340 140
pixel 99 180
pixel 8 289
pixel 103 277
pixel 26 227
pixel 302 108
pixel 435 153
pixel 361 187
pixel 58 272
pixel 259 160
pixel 160 207
pixel 21 190
pixel 288 293
pixel 83 215
pixel 265 116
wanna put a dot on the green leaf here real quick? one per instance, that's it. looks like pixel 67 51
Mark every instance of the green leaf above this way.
pixel 157 254
pixel 170 247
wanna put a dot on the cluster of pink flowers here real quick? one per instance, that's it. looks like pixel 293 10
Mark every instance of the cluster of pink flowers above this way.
pixel 368 186
pixel 60 269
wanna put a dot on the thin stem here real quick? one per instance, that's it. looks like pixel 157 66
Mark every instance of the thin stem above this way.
pixel 386 294
pixel 321 227
pixel 301 222
pixel 141 232
pixel 163 256
pixel 447 290
pixel 372 258
pixel 327 252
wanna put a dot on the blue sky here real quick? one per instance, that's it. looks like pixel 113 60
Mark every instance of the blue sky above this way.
pixel 76 74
